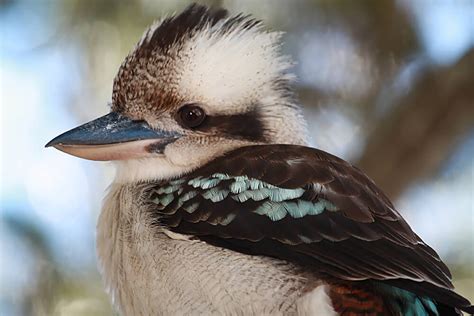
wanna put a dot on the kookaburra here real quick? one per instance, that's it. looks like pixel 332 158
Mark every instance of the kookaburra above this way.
pixel 219 207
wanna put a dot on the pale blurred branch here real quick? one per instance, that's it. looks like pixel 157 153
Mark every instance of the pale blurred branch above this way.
pixel 426 125
pixel 53 292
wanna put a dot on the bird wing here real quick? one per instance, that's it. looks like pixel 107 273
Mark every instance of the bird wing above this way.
pixel 304 205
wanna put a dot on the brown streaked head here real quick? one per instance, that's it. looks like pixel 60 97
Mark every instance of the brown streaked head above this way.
pixel 196 85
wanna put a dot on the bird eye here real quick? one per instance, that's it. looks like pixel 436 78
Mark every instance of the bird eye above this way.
pixel 191 115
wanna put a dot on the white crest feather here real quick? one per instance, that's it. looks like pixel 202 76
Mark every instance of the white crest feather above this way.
pixel 231 68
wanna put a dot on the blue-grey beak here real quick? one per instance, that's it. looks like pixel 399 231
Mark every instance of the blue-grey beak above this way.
pixel 113 137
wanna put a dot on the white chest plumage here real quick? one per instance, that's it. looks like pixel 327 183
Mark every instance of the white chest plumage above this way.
pixel 149 271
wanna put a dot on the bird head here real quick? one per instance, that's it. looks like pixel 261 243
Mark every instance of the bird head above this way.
pixel 197 85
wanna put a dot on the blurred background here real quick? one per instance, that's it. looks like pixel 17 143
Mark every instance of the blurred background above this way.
pixel 387 85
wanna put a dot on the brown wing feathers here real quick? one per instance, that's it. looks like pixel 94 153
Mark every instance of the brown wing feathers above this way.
pixel 366 239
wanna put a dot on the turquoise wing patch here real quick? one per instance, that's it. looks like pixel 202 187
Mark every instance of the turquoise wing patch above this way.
pixel 413 305
pixel 276 203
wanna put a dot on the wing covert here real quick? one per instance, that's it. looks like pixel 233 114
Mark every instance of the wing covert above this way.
pixel 302 204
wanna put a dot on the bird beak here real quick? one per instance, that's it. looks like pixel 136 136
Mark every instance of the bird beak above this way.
pixel 113 137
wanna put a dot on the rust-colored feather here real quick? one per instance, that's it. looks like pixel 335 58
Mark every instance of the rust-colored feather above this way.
pixel 355 301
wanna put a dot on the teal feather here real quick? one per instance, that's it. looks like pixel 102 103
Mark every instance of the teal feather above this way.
pixel 412 304
pixel 278 212
pixel 259 195
pixel 191 207
pixel 240 178
pixel 239 186
pixel 328 205
pixel 280 195
pixel 305 239
pixel 430 304
pixel 162 190
pixel 316 209
pixel 215 194
pixel 274 195
pixel 256 195
pixel 209 183
pixel 417 309
pixel 166 199
pixel 320 206
pixel 268 185
pixel 204 183
pixel 295 210
pixel 168 189
pixel 177 182
pixel 257 184
pixel 228 219
pixel 242 197
pixel 195 182
pixel 187 196
pixel 221 176
pixel 265 208
pixel 304 207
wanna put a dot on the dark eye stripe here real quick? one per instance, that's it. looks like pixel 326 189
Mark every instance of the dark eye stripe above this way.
pixel 246 126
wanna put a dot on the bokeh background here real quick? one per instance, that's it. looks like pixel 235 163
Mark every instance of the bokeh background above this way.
pixel 387 85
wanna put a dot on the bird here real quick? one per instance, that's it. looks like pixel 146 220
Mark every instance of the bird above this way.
pixel 220 207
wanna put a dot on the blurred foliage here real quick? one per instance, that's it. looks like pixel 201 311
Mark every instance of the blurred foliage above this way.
pixel 55 291
pixel 381 40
